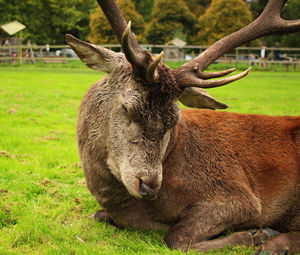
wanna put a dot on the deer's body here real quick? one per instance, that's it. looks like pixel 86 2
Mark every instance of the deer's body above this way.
pixel 245 166
pixel 194 173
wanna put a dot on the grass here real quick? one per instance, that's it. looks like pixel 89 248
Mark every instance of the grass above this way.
pixel 44 203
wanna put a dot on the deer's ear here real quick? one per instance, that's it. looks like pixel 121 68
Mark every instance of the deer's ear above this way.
pixel 198 98
pixel 94 56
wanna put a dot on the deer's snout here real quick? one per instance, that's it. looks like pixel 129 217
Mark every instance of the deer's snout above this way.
pixel 148 188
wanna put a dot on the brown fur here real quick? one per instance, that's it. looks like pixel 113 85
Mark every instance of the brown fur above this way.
pixel 240 171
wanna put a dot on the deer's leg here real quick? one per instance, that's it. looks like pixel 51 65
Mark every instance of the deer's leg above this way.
pixel 125 211
pixel 285 243
pixel 207 220
pixel 252 237
pixel 103 216
pixel 131 214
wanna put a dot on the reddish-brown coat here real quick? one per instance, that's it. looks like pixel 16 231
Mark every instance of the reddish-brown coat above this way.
pixel 254 156
pixel 230 170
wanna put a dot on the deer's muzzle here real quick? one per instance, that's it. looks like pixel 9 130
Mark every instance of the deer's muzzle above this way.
pixel 148 190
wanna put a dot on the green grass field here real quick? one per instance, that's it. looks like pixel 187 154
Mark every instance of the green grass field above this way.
pixel 44 203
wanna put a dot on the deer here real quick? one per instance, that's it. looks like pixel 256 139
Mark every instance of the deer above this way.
pixel 194 173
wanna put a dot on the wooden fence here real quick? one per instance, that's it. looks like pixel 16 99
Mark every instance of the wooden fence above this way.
pixel 63 53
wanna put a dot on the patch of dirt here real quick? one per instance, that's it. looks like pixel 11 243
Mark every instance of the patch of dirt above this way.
pixel 12 110
pixel 77 165
pixel 19 95
pixel 8 155
pixel 47 138
pixel 45 181
pixel 81 182
pixel 34 120
pixel 77 200
pixel 45 82
pixel 8 219
pixel 50 138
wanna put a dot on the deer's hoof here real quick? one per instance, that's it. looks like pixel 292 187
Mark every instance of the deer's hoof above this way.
pixel 262 252
pixel 103 216
pixel 266 252
pixel 270 232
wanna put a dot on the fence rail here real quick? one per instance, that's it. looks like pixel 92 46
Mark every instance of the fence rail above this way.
pixel 63 53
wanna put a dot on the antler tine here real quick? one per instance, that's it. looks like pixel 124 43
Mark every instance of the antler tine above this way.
pixel 138 58
pixel 209 75
pixel 292 25
pixel 205 84
pixel 267 23
pixel 151 72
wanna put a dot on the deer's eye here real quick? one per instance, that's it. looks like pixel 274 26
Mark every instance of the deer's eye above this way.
pixel 125 110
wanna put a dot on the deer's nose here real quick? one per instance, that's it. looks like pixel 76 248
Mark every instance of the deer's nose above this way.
pixel 147 189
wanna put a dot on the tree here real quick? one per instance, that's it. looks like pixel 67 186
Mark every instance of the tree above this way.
pixel 197 7
pixel 18 10
pixel 101 31
pixel 48 20
pixel 257 7
pixel 221 18
pixel 144 7
pixel 70 16
pixel 170 18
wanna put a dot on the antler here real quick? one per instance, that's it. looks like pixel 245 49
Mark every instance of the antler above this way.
pixel 191 74
pixel 141 61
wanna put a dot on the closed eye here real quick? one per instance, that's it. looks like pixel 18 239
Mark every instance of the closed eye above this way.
pixel 124 109
pixel 134 141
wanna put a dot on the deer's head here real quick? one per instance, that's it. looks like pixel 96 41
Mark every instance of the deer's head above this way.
pixel 141 94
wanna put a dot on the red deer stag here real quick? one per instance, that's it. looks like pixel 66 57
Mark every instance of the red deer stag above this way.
pixel 195 173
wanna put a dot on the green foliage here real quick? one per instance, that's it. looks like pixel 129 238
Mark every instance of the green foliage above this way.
pixel 257 7
pixel 144 7
pixel 221 18
pixel 101 31
pixel 197 7
pixel 169 17
pixel 47 21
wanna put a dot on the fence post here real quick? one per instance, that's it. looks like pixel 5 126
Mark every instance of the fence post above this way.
pixel 20 50
pixel 65 53
pixel 41 52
